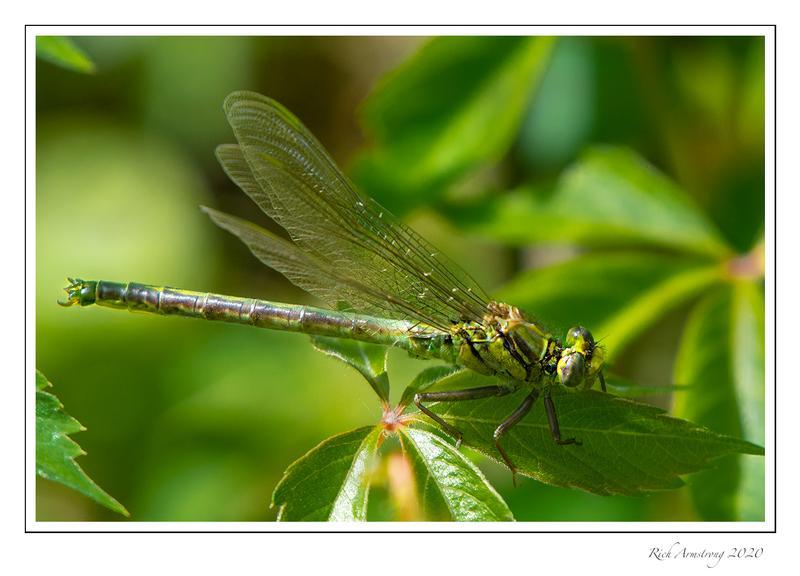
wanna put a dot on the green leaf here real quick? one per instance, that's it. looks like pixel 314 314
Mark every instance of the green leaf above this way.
pixel 424 380
pixel 557 126
pixel 454 106
pixel 368 359
pixel 449 486
pixel 627 447
pixel 611 197
pixel 63 52
pixel 43 384
pixel 56 451
pixel 624 387
pixel 616 296
pixel 331 482
pixel 721 360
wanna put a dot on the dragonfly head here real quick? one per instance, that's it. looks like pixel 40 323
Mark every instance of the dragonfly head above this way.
pixel 581 361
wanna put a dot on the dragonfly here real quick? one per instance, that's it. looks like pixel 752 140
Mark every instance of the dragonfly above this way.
pixel 381 282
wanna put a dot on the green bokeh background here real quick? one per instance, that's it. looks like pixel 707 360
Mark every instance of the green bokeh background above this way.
pixel 190 420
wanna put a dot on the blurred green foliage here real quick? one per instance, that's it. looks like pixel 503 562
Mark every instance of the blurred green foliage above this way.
pixel 726 393
pixel 63 52
pixel 541 165
pixel 453 106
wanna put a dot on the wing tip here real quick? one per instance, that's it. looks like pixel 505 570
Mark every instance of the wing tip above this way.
pixel 239 96
pixel 221 219
pixel 251 99
pixel 216 216
pixel 234 97
pixel 225 150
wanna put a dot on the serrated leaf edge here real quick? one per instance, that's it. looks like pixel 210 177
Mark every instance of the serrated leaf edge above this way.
pixel 113 503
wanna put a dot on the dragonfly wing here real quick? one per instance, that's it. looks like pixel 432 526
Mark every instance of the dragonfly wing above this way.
pixel 304 270
pixel 300 187
pixel 236 167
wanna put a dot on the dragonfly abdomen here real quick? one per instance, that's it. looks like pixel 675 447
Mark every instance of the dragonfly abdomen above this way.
pixel 260 313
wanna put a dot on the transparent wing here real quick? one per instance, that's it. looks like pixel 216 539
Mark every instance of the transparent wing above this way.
pixel 310 274
pixel 296 183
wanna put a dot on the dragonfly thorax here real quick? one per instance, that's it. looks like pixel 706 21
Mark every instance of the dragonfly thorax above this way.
pixel 506 344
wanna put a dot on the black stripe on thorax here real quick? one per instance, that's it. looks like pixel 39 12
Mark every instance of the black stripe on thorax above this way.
pixel 463 333
pixel 514 353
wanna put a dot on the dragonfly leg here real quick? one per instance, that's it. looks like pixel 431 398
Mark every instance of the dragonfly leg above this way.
pixel 553 421
pixel 509 423
pixel 602 381
pixel 455 396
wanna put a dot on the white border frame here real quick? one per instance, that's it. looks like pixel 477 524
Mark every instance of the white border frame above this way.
pixel 545 527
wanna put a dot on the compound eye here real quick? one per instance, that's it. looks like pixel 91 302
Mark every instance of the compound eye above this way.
pixel 580 337
pixel 570 369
